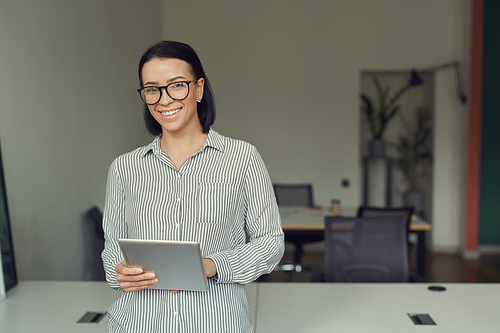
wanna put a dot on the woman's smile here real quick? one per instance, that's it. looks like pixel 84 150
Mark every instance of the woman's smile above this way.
pixel 171 113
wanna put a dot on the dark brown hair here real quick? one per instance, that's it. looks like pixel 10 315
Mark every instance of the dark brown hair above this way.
pixel 178 50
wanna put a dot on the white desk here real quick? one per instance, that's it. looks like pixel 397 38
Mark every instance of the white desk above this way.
pixel 359 308
pixel 53 306
pixel 56 306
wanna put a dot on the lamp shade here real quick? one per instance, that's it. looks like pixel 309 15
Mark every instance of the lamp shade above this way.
pixel 415 79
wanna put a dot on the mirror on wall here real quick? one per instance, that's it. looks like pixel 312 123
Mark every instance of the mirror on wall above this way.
pixel 407 139
pixel 7 252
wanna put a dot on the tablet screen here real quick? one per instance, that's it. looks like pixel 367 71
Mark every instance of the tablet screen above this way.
pixel 178 265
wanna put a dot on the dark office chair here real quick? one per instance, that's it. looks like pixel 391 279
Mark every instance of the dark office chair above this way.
pixel 406 212
pixel 296 195
pixel 365 249
pixel 94 216
pixel 368 211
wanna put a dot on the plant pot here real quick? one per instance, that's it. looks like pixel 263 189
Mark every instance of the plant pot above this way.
pixel 377 148
pixel 415 199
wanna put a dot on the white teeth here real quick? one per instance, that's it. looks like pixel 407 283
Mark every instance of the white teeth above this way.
pixel 169 113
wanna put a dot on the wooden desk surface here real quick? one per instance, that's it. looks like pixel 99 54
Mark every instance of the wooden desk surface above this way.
pixel 297 218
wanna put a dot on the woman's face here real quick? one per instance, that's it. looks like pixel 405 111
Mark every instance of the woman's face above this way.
pixel 174 116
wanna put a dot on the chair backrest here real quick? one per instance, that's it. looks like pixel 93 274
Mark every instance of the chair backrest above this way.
pixel 406 212
pixel 294 195
pixel 365 249
pixel 94 216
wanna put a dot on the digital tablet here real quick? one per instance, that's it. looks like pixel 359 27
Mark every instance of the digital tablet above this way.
pixel 178 265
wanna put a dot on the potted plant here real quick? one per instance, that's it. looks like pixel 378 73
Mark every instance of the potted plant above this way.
pixel 379 116
pixel 413 150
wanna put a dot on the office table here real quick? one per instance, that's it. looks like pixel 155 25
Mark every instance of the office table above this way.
pixel 298 221
pixel 56 306
pixel 376 307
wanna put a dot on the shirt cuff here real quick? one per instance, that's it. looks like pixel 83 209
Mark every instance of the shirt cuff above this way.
pixel 224 273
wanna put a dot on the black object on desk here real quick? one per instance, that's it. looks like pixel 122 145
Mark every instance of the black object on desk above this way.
pixel 437 288
pixel 92 317
pixel 421 319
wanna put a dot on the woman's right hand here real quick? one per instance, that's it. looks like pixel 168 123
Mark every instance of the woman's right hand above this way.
pixel 133 278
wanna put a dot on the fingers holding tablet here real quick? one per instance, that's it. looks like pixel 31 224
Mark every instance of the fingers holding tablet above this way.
pixel 133 278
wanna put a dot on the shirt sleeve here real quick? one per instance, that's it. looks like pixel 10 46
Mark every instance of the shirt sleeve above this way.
pixel 114 225
pixel 265 246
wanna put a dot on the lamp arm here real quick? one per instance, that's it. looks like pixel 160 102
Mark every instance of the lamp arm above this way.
pixel 439 67
pixel 458 77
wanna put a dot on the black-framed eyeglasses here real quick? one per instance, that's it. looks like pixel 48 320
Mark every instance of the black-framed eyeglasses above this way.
pixel 177 90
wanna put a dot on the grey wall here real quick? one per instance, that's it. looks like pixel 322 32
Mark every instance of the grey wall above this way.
pixel 67 108
pixel 286 74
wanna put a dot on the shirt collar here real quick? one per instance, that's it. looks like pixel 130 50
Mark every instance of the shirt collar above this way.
pixel 214 140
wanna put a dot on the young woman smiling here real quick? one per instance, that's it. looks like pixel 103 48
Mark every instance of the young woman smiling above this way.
pixel 190 184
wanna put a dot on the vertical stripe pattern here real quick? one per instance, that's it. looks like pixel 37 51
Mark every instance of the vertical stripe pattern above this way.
pixel 221 197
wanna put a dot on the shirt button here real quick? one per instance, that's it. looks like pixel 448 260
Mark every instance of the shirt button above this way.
pixel 178 199
pixel 177 225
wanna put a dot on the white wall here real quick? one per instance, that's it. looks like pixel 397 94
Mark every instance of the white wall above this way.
pixel 449 167
pixel 68 107
pixel 286 74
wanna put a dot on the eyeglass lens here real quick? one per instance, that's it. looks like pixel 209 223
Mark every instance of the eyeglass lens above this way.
pixel 176 91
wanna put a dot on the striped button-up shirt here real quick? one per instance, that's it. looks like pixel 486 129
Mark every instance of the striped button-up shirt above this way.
pixel 221 197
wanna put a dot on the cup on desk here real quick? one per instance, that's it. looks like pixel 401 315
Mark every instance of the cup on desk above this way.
pixel 335 207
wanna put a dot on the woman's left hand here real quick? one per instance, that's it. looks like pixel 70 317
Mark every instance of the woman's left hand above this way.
pixel 210 269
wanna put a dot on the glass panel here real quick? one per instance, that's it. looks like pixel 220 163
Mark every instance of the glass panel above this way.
pixel 7 253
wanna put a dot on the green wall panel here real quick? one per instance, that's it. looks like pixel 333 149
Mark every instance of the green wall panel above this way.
pixel 489 223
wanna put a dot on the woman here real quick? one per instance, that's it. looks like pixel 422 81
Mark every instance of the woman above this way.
pixel 189 184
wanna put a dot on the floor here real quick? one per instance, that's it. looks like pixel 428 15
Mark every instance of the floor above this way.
pixel 443 268
pixel 453 268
